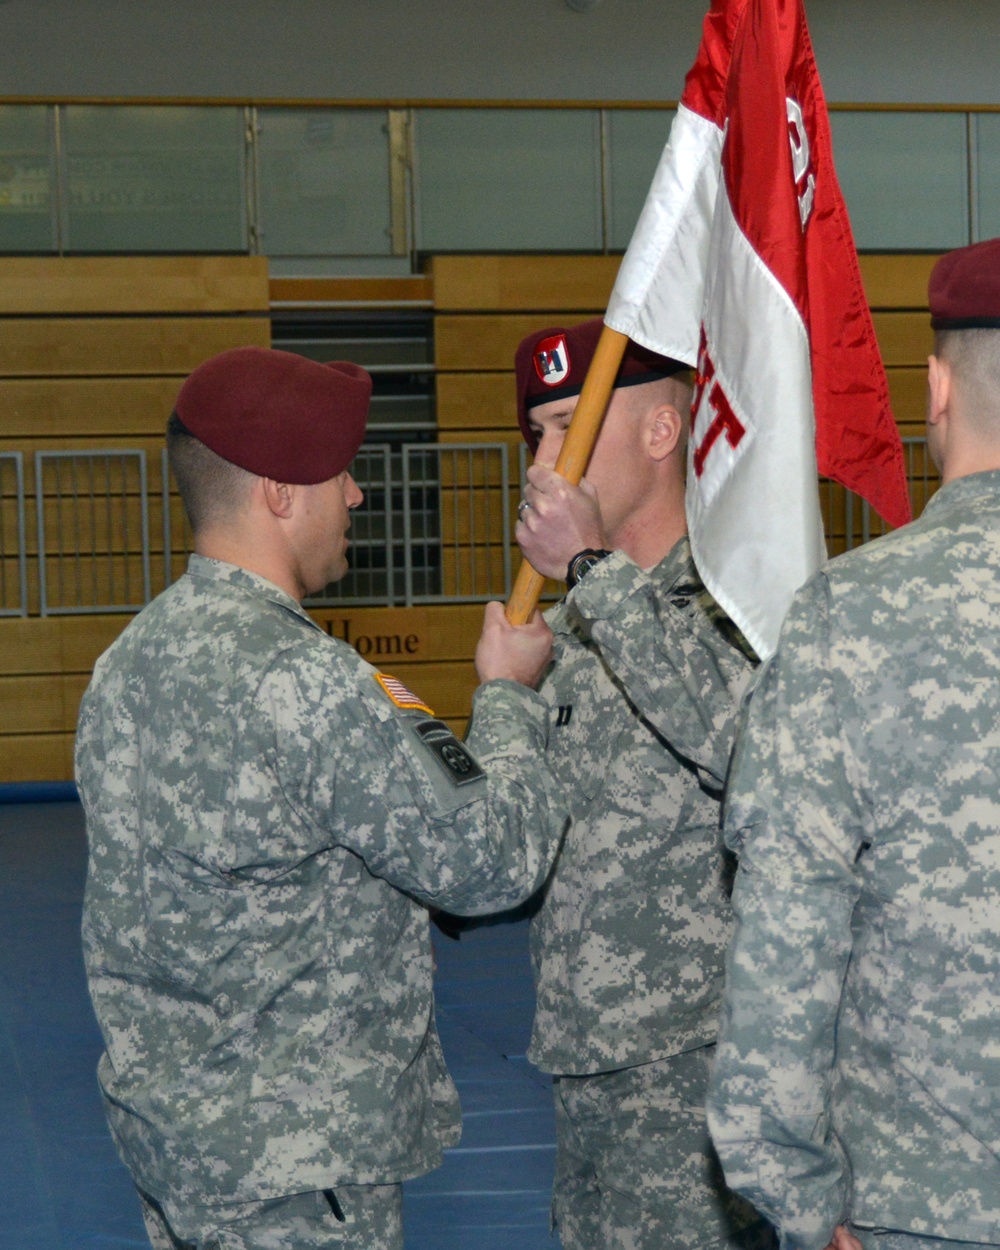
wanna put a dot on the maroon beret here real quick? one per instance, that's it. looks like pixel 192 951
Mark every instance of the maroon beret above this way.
pixel 553 363
pixel 277 414
pixel 964 290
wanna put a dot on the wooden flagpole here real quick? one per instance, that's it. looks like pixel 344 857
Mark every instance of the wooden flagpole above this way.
pixel 574 454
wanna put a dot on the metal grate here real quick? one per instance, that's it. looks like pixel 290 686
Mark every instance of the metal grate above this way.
pixel 457 522
pixel 93 531
pixel 372 574
pixel 850 521
pixel 436 526
pixel 395 343
pixel 13 537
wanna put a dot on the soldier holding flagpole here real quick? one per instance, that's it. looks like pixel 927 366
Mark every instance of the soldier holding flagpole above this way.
pixel 643 696
pixel 742 265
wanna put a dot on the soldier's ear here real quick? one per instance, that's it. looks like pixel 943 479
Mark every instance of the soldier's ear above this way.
pixel 278 496
pixel 665 428
pixel 939 389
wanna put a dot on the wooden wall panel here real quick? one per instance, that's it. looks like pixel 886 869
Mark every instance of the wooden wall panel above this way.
pixel 582 284
pixel 482 341
pixel 897 281
pixel 36 757
pixel 908 393
pixel 67 644
pixel 86 408
pixel 431 633
pixel 418 289
pixel 467 401
pixel 44 704
pixel 133 284
pixel 487 342
pixel 92 346
pixel 904 338
pixel 550 284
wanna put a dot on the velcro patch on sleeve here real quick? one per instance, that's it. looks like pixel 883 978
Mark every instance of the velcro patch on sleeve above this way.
pixel 454 757
pixel 400 695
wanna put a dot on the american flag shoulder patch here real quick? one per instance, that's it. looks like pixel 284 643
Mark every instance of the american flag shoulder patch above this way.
pixel 400 695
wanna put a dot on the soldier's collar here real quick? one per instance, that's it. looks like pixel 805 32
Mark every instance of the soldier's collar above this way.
pixel 968 487
pixel 253 584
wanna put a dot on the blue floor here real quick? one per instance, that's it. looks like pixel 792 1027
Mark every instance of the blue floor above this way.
pixel 61 1184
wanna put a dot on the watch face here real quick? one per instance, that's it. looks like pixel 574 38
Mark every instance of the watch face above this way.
pixel 581 565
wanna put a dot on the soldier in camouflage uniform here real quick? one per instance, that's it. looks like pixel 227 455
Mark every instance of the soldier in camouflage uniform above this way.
pixel 267 819
pixel 629 938
pixel 856 1092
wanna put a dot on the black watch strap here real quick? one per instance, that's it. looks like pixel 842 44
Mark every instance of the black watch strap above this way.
pixel 582 563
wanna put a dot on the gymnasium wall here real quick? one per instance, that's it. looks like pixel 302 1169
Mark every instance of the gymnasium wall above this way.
pixel 894 51
pixel 92 351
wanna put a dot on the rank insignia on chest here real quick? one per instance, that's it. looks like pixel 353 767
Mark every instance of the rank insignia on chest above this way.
pixel 400 695
pixel 565 715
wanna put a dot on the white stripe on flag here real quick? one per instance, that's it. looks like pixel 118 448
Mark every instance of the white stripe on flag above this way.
pixel 658 294
pixel 754 518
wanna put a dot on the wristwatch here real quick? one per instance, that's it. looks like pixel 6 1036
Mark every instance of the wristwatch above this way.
pixel 582 563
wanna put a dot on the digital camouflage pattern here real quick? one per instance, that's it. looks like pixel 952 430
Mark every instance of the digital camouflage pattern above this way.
pixel 629 939
pixel 263 821
pixel 629 942
pixel 372 1220
pixel 858 1072
pixel 635 1169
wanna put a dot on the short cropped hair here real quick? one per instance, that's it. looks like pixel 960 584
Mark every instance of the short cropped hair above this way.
pixel 211 488
pixel 974 356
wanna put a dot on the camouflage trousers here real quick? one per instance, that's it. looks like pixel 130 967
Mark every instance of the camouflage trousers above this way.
pixel 635 1168
pixel 352 1217
pixel 888 1239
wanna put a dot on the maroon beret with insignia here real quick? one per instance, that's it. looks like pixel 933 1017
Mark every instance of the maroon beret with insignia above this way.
pixel 964 290
pixel 277 414
pixel 553 363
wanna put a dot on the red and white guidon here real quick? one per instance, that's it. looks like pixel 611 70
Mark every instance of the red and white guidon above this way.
pixel 743 264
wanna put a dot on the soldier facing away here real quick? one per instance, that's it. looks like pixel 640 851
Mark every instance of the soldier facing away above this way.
pixel 267 817
pixel 630 931
pixel 857 1085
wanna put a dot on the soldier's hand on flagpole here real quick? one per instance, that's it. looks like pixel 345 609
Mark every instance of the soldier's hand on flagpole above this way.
pixel 556 520
pixel 520 653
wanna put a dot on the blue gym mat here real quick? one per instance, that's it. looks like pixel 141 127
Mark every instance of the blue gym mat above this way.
pixel 63 1187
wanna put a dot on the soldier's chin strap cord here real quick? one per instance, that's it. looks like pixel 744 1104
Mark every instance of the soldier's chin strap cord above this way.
pixel 335 1206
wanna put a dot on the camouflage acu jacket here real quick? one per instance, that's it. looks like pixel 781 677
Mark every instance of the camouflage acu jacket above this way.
pixel 643 695
pixel 262 819
pixel 858 1072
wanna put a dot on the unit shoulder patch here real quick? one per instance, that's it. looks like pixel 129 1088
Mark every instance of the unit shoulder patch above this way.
pixel 453 756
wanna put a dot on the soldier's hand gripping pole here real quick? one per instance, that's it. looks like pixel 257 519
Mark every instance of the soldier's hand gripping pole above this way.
pixel 574 454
